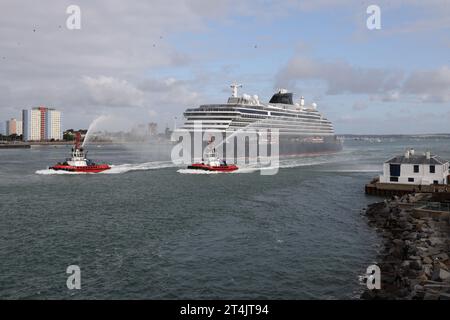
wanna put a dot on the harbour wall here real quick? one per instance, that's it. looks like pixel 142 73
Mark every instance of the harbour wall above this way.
pixel 414 260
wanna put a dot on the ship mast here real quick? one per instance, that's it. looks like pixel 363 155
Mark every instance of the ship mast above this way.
pixel 234 86
pixel 77 140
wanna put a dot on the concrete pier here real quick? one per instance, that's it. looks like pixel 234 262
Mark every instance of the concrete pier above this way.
pixel 15 146
pixel 396 189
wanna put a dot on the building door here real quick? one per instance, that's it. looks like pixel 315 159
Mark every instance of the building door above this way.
pixel 394 170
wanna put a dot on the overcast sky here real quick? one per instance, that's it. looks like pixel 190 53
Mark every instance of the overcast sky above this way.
pixel 141 61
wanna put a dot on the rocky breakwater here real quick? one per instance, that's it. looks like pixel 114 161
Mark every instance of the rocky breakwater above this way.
pixel 414 261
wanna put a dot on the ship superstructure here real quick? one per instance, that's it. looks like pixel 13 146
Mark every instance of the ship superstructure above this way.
pixel 302 128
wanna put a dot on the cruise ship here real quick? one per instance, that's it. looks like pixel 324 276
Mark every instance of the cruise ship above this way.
pixel 302 128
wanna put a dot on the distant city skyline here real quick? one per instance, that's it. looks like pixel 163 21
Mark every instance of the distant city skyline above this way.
pixel 149 62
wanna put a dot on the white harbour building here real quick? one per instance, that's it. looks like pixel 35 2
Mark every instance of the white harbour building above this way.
pixel 416 169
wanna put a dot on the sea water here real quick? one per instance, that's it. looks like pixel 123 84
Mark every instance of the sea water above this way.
pixel 149 229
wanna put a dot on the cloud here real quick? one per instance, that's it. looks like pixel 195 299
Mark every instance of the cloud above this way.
pixel 339 77
pixel 42 62
pixel 170 92
pixel 127 55
pixel 388 85
pixel 109 91
pixel 430 85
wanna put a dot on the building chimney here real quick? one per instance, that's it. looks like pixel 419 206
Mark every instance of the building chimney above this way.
pixel 407 154
pixel 428 154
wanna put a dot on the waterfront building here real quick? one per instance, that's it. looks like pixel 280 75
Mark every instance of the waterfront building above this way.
pixel 416 169
pixel 41 124
pixel 13 126
pixel 153 128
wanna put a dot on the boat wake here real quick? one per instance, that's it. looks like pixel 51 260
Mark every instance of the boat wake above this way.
pixel 196 171
pixel 51 172
pixel 124 168
pixel 283 163
pixel 117 169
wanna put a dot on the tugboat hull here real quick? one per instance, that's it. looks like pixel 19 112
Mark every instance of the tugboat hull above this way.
pixel 86 169
pixel 204 167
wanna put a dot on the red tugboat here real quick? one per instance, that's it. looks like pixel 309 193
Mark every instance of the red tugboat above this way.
pixel 213 163
pixel 78 161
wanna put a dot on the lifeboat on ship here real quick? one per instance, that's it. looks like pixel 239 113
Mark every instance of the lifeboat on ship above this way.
pixel 78 162
pixel 211 162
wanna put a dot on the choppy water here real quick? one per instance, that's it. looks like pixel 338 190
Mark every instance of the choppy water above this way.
pixel 148 229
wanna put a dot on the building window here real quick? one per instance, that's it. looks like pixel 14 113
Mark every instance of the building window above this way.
pixel 432 169
pixel 394 179
pixel 416 168
pixel 435 182
pixel 410 179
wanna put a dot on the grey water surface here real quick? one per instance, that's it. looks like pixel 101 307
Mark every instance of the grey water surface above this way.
pixel 146 230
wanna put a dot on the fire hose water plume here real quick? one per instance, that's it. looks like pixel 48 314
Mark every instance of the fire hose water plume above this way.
pixel 92 127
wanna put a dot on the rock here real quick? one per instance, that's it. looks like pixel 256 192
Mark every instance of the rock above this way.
pixel 412 236
pixel 434 251
pixel 367 295
pixel 416 265
pixel 418 288
pixel 427 269
pixel 403 292
pixel 422 251
pixel 434 241
pixel 444 296
pixel 419 295
pixel 441 257
pixel 427 260
pixel 443 266
pixel 412 273
pixel 414 251
pixel 431 296
pixel 405 264
pixel 422 277
pixel 440 275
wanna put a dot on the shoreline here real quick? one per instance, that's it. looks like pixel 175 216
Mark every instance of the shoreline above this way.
pixel 20 144
pixel 414 261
